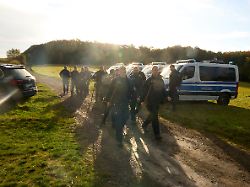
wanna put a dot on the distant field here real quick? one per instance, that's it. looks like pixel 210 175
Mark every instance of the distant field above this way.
pixel 53 70
pixel 231 123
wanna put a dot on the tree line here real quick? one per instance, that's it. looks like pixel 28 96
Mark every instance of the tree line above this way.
pixel 94 53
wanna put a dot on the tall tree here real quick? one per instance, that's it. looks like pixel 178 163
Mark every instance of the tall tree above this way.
pixel 12 53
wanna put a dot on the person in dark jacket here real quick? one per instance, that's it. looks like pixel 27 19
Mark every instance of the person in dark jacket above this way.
pixel 107 84
pixel 74 81
pixel 137 80
pixel 65 76
pixel 153 95
pixel 98 77
pixel 173 84
pixel 118 97
pixel 84 77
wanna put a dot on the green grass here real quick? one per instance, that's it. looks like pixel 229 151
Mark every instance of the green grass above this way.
pixel 230 123
pixel 53 71
pixel 38 145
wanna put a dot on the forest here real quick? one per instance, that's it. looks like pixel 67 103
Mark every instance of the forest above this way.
pixel 95 53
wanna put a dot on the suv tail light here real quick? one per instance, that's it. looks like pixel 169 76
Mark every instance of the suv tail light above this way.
pixel 15 82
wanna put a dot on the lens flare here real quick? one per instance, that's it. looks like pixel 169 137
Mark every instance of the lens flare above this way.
pixel 8 96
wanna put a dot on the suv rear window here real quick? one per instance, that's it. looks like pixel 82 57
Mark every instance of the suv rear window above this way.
pixel 19 73
pixel 217 74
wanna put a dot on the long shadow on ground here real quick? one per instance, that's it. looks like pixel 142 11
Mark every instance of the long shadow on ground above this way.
pixel 141 162
pixel 242 157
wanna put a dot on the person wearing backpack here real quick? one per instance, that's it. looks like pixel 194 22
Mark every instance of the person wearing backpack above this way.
pixel 174 82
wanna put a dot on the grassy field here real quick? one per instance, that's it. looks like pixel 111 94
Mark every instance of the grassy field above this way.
pixel 53 70
pixel 38 146
pixel 230 123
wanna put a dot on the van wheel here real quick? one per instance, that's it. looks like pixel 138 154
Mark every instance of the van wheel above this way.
pixel 223 99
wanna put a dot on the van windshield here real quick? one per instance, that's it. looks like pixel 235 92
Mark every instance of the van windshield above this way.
pixel 166 71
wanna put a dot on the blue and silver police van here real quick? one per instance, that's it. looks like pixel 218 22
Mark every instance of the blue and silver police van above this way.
pixel 203 81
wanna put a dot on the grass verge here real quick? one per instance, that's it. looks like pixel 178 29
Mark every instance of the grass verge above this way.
pixel 230 123
pixel 38 145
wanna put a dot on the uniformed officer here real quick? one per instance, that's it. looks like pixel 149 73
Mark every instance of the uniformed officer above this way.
pixel 153 95
pixel 137 81
pixel 119 96
pixel 65 76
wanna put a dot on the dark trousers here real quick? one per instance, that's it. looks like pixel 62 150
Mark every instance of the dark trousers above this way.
pixel 84 89
pixel 174 97
pixel 119 118
pixel 97 91
pixel 153 118
pixel 133 105
pixel 74 87
pixel 106 112
pixel 65 86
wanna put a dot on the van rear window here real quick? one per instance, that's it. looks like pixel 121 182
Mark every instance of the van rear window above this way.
pixel 217 74
pixel 19 73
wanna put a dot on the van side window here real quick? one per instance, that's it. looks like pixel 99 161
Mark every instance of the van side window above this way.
pixel 226 74
pixel 188 72
pixel 217 74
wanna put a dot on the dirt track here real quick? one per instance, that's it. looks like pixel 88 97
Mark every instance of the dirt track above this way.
pixel 183 158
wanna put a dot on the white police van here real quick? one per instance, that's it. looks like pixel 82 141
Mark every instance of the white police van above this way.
pixel 202 81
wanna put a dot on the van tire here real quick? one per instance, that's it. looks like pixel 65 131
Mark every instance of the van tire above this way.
pixel 223 99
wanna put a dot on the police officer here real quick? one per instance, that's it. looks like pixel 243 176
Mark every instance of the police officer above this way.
pixel 65 76
pixel 119 95
pixel 174 82
pixel 98 77
pixel 74 81
pixel 137 80
pixel 153 95
pixel 85 76
pixel 107 84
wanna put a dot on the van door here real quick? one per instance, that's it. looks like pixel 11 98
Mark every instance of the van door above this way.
pixel 187 90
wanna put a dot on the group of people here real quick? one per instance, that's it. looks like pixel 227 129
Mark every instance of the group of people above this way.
pixel 124 95
pixel 79 81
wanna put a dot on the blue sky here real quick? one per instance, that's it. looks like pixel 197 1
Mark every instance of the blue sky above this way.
pixel 216 25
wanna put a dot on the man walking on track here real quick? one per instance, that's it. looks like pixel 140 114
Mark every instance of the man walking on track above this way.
pixel 137 79
pixel 174 82
pixel 65 76
pixel 119 95
pixel 153 95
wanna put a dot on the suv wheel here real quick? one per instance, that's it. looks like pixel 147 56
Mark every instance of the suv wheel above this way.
pixel 223 99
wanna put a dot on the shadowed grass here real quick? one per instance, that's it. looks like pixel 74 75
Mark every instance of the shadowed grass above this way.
pixel 38 145
pixel 231 123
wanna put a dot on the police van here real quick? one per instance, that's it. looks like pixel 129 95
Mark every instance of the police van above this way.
pixel 202 81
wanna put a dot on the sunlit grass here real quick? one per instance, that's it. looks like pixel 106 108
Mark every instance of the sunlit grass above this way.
pixel 231 123
pixel 38 145
pixel 54 70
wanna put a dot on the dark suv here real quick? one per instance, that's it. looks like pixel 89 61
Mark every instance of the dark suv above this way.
pixel 16 82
